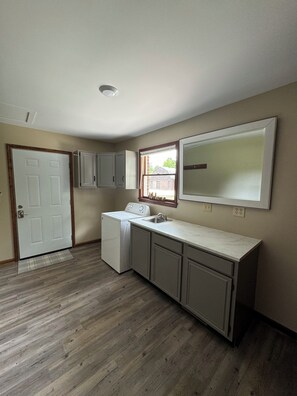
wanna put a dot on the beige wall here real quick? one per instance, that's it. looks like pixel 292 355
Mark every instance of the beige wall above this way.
pixel 88 204
pixel 276 295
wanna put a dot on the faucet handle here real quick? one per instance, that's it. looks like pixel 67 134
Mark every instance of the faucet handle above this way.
pixel 162 216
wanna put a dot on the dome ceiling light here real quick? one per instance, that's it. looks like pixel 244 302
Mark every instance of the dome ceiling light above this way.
pixel 108 90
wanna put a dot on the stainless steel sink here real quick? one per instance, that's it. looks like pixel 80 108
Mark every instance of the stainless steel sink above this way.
pixel 156 219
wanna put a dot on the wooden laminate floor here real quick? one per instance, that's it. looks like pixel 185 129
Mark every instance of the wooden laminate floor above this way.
pixel 78 328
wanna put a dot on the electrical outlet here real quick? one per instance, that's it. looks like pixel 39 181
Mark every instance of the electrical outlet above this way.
pixel 239 212
pixel 207 207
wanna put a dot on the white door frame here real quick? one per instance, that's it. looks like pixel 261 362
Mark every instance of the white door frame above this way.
pixel 9 148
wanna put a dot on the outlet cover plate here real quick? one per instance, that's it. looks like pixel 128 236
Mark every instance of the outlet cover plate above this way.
pixel 207 207
pixel 238 211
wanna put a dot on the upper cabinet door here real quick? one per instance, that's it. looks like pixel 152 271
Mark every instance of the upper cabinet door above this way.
pixel 126 170
pixel 106 169
pixel 85 169
pixel 111 169
pixel 120 169
pixel 88 169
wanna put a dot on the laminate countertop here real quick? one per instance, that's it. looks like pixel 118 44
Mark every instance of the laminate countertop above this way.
pixel 228 245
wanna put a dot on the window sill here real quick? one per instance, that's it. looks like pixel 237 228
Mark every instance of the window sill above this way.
pixel 158 202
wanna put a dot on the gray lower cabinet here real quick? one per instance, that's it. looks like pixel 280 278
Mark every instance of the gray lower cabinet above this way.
pixel 166 271
pixel 207 294
pixel 166 265
pixel 218 291
pixel 140 253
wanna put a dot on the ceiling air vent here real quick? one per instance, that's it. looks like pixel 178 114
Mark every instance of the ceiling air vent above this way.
pixel 11 114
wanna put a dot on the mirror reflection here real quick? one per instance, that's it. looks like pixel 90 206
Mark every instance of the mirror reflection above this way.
pixel 232 167
pixel 229 166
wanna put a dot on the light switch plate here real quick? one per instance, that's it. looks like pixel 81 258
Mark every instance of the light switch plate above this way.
pixel 238 211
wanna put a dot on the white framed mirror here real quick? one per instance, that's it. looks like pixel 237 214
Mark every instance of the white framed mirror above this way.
pixel 231 166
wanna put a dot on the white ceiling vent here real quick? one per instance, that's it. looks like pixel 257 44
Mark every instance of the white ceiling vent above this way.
pixel 11 114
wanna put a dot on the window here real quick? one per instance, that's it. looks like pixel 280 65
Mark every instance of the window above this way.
pixel 158 174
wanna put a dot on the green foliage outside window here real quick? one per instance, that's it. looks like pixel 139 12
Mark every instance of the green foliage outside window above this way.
pixel 169 163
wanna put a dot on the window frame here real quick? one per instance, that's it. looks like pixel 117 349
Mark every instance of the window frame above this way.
pixel 141 198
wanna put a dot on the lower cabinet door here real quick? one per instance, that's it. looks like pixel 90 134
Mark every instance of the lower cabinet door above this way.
pixel 140 251
pixel 207 294
pixel 166 271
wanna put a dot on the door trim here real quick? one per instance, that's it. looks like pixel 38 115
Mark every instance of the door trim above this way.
pixel 9 148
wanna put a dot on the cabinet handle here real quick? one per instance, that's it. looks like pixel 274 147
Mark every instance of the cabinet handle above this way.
pixel 113 178
pixel 123 178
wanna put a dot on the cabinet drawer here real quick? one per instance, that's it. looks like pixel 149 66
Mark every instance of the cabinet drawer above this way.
pixel 217 263
pixel 168 243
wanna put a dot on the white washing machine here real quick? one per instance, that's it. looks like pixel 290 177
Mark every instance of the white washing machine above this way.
pixel 115 235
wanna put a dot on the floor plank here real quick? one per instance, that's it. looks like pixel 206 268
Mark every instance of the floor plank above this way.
pixel 79 328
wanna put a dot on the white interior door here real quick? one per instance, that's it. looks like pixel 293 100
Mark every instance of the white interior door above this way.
pixel 42 190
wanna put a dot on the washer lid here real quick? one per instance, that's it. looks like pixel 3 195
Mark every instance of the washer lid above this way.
pixel 121 215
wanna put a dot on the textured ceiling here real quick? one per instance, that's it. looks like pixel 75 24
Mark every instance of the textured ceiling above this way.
pixel 170 60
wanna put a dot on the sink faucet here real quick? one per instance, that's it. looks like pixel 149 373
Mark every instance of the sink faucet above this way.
pixel 161 217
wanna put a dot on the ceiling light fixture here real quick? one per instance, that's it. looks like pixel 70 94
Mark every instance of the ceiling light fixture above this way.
pixel 108 90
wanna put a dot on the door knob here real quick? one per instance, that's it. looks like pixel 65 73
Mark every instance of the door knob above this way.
pixel 21 214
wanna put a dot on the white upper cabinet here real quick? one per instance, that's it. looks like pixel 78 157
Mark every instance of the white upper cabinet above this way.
pixel 126 170
pixel 120 169
pixel 85 169
pixel 106 169
pixel 113 170
pixel 117 170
